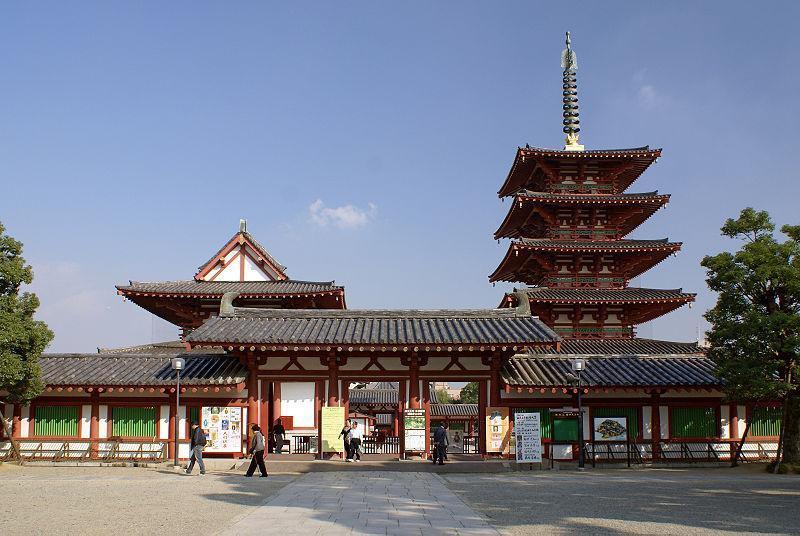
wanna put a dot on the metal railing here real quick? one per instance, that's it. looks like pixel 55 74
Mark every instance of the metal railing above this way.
pixel 385 445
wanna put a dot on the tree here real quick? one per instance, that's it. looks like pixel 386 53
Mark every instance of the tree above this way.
pixel 755 325
pixel 443 397
pixel 469 393
pixel 22 339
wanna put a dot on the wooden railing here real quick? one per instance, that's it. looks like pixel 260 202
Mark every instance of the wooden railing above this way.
pixel 81 450
pixel 388 445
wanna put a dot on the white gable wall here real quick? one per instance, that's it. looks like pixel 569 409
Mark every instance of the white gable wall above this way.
pixel 253 272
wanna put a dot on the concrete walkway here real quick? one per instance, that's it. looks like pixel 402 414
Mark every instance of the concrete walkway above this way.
pixel 364 503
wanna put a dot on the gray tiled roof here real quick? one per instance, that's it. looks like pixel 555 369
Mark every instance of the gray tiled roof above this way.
pixel 627 347
pixel 625 295
pixel 139 369
pixel 218 288
pixel 379 327
pixel 633 151
pixel 373 396
pixel 593 198
pixel 572 245
pixel 454 410
pixel 606 371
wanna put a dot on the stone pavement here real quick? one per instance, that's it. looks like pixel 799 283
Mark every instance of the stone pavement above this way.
pixel 364 503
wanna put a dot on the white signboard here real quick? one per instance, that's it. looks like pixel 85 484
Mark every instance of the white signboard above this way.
pixel 455 440
pixel 223 428
pixel 610 429
pixel 528 435
pixel 415 440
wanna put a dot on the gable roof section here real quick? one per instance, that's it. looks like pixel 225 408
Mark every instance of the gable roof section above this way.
pixel 239 239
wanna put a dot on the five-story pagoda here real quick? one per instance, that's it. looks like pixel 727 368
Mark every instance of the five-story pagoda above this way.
pixel 568 223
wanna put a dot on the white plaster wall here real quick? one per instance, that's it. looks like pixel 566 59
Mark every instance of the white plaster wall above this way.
pixel 163 431
pixel 102 425
pixel 231 272
pixel 182 422
pixel 725 421
pixel 297 400
pixel 663 414
pixel 25 422
pixel 86 421
pixel 741 411
pixel 647 422
pixel 253 272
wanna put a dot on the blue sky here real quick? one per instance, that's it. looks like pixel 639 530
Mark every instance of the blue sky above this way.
pixel 365 141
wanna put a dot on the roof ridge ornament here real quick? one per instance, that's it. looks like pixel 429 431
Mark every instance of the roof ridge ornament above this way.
pixel 572 123
pixel 226 308
pixel 242 225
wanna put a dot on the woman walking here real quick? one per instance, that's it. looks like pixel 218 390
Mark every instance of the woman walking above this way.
pixel 345 436
pixel 257 447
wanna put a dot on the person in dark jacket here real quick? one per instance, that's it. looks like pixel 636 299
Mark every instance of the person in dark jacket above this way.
pixel 257 446
pixel 345 436
pixel 197 443
pixel 279 433
pixel 440 443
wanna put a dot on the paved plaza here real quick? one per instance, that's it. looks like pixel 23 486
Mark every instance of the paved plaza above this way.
pixel 109 500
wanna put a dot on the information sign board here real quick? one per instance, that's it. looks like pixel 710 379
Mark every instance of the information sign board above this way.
pixel 497 430
pixel 332 424
pixel 414 429
pixel 223 428
pixel 610 429
pixel 528 435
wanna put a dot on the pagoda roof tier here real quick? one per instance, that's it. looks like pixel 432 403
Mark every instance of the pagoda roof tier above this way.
pixel 531 260
pixel 615 296
pixel 534 167
pixel 189 303
pixel 532 213
pixel 367 329
pixel 612 372
pixel 612 347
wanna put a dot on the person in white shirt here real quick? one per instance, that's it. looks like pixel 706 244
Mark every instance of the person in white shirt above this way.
pixel 355 434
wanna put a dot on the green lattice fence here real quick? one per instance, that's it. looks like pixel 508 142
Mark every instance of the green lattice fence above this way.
pixel 133 422
pixel 693 422
pixel 765 421
pixel 57 421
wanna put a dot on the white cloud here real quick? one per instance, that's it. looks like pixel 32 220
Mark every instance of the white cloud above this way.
pixel 648 97
pixel 343 217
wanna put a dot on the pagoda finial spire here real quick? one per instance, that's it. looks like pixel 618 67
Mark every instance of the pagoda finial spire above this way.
pixel 572 122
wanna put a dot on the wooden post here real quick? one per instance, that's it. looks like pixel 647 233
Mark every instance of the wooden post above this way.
pixel 426 397
pixel 401 406
pixel 333 381
pixel 655 433
pixel 172 440
pixel 413 388
pixel 252 393
pixel 16 422
pixel 94 425
pixel 482 404
pixel 496 364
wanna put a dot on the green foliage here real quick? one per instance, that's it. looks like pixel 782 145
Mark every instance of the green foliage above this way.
pixel 22 339
pixel 755 324
pixel 469 393
pixel 443 396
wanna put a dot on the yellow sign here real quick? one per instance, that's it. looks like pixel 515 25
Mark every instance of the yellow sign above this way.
pixel 497 430
pixel 332 424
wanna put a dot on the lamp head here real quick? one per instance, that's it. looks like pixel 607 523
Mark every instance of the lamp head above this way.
pixel 178 363
pixel 578 365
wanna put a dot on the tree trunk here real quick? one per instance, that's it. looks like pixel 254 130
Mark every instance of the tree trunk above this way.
pixel 738 452
pixel 14 444
pixel 790 428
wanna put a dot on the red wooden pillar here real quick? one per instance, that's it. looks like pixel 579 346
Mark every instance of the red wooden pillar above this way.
pixel 426 403
pixel 396 422
pixel 655 417
pixel 346 398
pixel 333 381
pixel 495 380
pixel 319 393
pixel 94 425
pixel 173 414
pixel 482 404
pixel 252 393
pixel 401 406
pixel 413 388
pixel 733 421
pixel 16 422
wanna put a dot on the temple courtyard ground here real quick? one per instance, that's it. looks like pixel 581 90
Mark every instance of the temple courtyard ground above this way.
pixel 111 500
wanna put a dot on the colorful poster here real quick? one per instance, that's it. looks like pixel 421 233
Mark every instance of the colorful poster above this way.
pixel 223 428
pixel 332 424
pixel 497 433
pixel 528 435
pixel 610 429
pixel 414 429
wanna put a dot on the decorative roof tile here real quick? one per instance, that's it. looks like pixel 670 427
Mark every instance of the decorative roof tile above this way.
pixel 218 288
pixel 625 347
pixel 624 295
pixel 588 245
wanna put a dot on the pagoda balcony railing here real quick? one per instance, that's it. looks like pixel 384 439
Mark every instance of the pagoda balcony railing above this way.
pixel 585 234
pixel 586 282
pixel 582 188
pixel 595 332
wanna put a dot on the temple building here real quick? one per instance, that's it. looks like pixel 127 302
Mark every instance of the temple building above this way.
pixel 258 347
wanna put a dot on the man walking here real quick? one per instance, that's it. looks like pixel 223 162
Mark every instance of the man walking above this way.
pixel 257 450
pixel 345 435
pixel 197 443
pixel 440 444
pixel 356 434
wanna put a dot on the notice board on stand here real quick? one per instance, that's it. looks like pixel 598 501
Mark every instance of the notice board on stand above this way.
pixel 331 426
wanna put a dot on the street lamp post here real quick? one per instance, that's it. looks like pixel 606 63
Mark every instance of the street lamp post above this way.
pixel 577 367
pixel 177 366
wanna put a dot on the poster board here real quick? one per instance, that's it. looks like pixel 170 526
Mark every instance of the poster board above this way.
pixel 497 430
pixel 455 441
pixel 528 435
pixel 610 429
pixel 332 424
pixel 414 430
pixel 223 428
